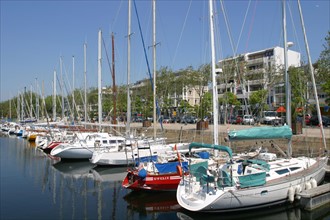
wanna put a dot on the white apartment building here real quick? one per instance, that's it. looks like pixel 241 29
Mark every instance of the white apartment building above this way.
pixel 257 70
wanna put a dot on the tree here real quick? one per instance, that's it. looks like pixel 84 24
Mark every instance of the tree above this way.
pixel 298 81
pixel 258 101
pixel 323 68
pixel 205 107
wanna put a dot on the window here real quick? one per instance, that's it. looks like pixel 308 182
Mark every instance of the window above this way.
pixel 281 172
pixel 294 168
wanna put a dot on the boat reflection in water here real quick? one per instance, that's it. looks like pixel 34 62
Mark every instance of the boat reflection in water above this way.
pixel 74 168
pixel 147 202
pixel 283 212
pixel 78 190
pixel 109 174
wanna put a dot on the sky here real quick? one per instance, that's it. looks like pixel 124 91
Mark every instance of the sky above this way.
pixel 35 35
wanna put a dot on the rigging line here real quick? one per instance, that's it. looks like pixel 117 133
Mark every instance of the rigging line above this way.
pixel 251 25
pixel 234 54
pixel 106 52
pixel 145 54
pixel 144 47
pixel 227 26
pixel 240 34
pixel 294 28
pixel 116 16
pixel 180 38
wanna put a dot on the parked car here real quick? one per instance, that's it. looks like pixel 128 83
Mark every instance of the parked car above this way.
pixel 188 119
pixel 167 119
pixel 314 120
pixel 239 119
pixel 248 120
pixel 231 120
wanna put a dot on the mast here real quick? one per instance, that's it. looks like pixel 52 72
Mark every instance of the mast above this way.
pixel 73 102
pixel 62 92
pixel 287 79
pixel 286 74
pixel 154 63
pixel 43 101
pixel 114 89
pixel 128 70
pixel 214 82
pixel 37 100
pixel 85 78
pixel 54 96
pixel 23 100
pixel 311 69
pixel 99 79
pixel 18 106
pixel 31 104
pixel 10 108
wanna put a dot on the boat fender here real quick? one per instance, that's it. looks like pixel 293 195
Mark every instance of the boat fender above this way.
pixel 308 185
pixel 291 192
pixel 142 173
pixel 313 183
pixel 298 190
pixel 179 170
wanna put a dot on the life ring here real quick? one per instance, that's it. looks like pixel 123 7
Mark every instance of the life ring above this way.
pixel 179 170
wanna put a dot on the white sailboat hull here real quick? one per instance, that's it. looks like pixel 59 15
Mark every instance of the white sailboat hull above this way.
pixel 213 199
pixel 65 151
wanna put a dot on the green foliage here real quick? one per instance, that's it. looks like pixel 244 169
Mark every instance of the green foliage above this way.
pixel 205 106
pixel 323 68
pixel 257 100
pixel 298 81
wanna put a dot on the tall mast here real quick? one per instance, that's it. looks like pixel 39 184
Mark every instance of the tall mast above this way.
pixel 85 78
pixel 18 106
pixel 23 100
pixel 73 102
pixel 54 96
pixel 214 82
pixel 37 99
pixel 154 63
pixel 287 79
pixel 31 104
pixel 114 89
pixel 43 101
pixel 128 70
pixel 62 90
pixel 100 79
pixel 311 69
pixel 10 108
pixel 286 74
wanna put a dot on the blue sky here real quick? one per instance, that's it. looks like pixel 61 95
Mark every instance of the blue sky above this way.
pixel 35 34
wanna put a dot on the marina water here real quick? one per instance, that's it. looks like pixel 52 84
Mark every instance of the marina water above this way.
pixel 35 186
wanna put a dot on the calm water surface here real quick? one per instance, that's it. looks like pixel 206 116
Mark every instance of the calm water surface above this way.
pixel 34 186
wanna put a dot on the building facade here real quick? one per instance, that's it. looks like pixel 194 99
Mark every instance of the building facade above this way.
pixel 249 72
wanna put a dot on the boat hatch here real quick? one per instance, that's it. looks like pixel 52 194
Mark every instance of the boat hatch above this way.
pixel 281 172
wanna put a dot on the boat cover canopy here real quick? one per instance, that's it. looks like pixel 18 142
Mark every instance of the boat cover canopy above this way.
pixel 211 146
pixel 264 132
pixel 171 167
pixel 261 163
pixel 255 179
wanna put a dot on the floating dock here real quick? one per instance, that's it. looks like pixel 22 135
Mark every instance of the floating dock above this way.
pixel 315 197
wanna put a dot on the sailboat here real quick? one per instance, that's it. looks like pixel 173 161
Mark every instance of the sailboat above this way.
pixel 237 185
pixel 137 148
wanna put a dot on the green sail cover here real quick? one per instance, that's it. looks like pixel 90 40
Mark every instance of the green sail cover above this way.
pixel 265 132
pixel 211 146
pixel 255 179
